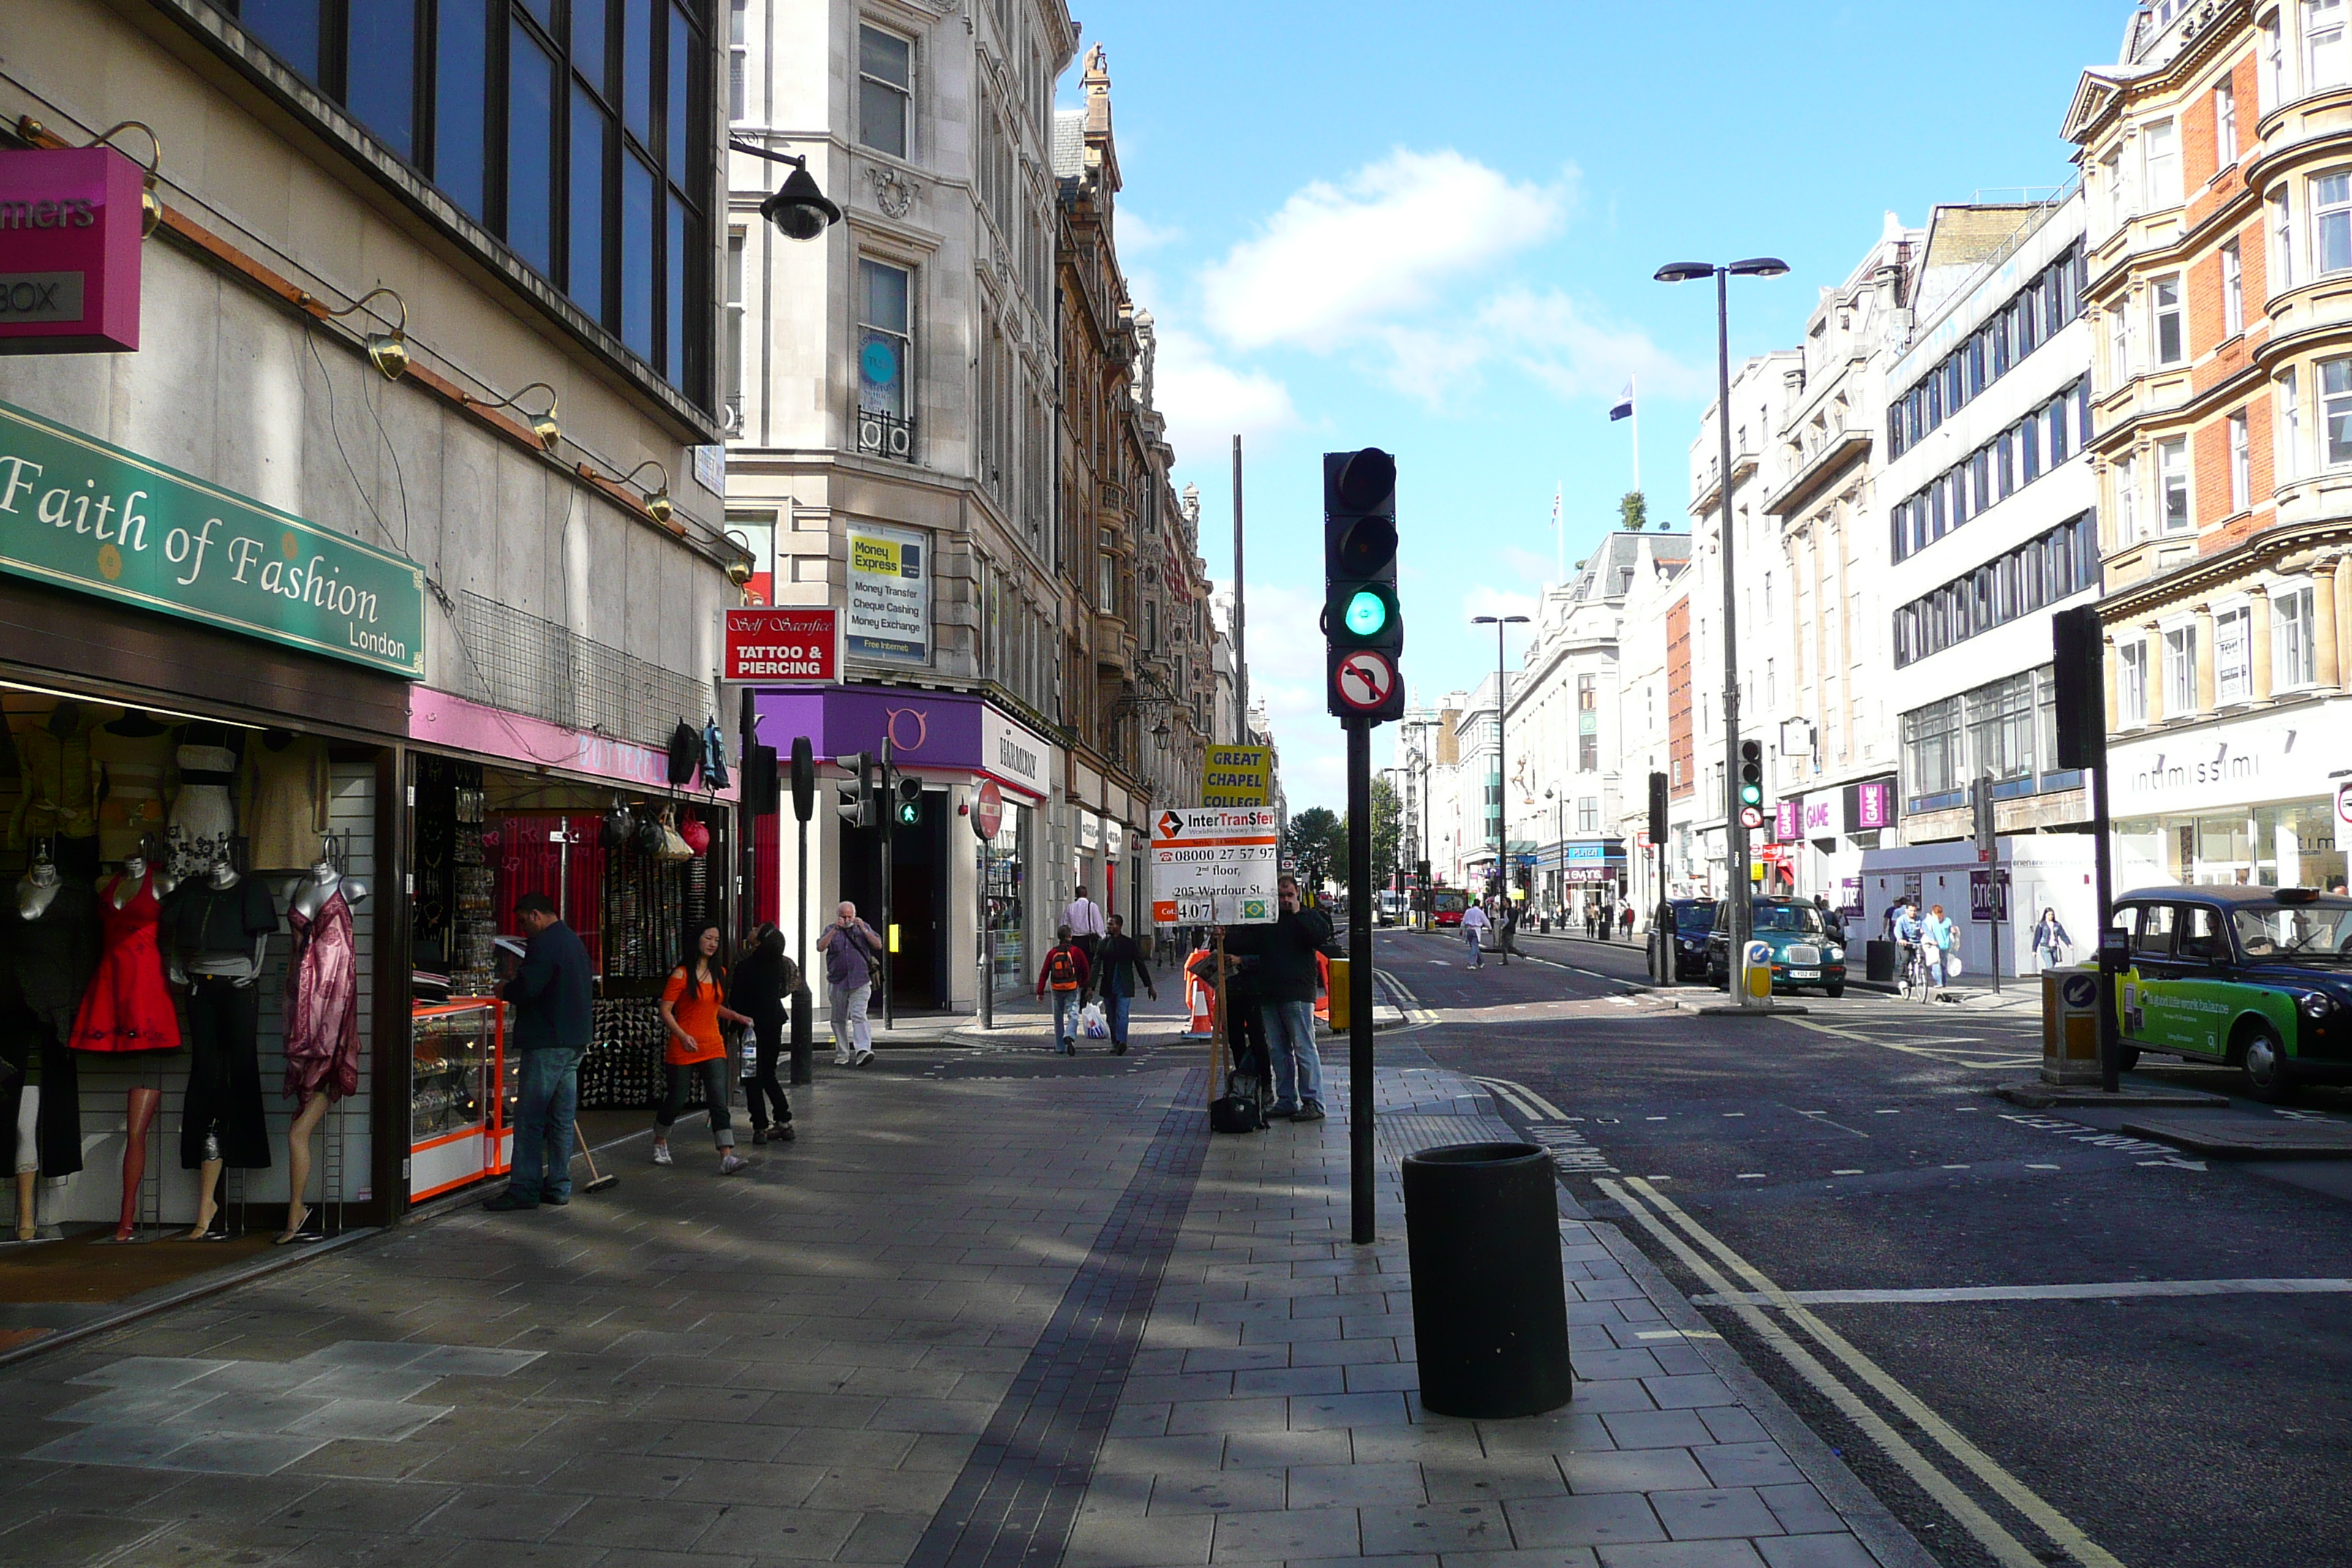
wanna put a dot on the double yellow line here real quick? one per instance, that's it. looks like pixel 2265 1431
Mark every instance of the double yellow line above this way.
pixel 1690 1242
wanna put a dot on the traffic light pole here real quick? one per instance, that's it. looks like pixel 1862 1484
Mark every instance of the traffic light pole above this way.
pixel 885 817
pixel 1359 979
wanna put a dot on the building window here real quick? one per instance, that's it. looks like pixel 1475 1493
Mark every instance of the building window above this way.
pixel 2283 240
pixel 735 332
pixel 884 337
pixel 2289 435
pixel 2171 346
pixel 2331 222
pixel 2323 43
pixel 1931 752
pixel 885 78
pixel 2273 64
pixel 1588 814
pixel 2172 485
pixel 2127 502
pixel 2225 123
pixel 2160 147
pixel 2119 353
pixel 2131 683
pixel 2293 659
pixel 1106 584
pixel 738 53
pixel 2242 464
pixel 2181 670
pixel 2119 206
pixel 2234 655
pixel 2336 408
pixel 2233 291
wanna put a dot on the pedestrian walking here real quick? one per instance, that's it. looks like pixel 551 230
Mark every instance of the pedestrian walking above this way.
pixel 1625 918
pixel 693 1005
pixel 1121 965
pixel 1065 972
pixel 1474 930
pixel 550 995
pixel 851 953
pixel 1085 919
pixel 1286 977
pixel 1943 944
pixel 2053 948
pixel 764 982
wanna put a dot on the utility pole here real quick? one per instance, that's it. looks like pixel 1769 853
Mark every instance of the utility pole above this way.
pixel 1242 735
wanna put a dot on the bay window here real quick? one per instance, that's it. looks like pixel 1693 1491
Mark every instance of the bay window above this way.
pixel 2324 59
pixel 2131 683
pixel 2336 408
pixel 2234 655
pixel 2293 659
pixel 2331 222
pixel 2181 670
pixel 2160 153
pixel 2172 485
pixel 2171 339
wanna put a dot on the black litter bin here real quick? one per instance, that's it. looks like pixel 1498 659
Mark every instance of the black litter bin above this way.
pixel 1489 1312
pixel 1878 962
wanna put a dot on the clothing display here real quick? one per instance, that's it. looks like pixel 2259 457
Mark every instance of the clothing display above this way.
pixel 204 815
pixel 55 956
pixel 283 803
pixel 132 757
pixel 214 929
pixel 60 796
pixel 622 1068
pixel 322 1004
pixel 127 1006
pixel 222 1117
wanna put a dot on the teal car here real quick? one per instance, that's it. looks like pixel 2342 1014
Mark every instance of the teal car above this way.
pixel 1805 952
pixel 2256 978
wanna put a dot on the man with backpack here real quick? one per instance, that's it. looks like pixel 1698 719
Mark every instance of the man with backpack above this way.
pixel 852 951
pixel 1065 972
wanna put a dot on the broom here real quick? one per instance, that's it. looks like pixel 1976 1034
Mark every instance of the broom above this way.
pixel 597 1184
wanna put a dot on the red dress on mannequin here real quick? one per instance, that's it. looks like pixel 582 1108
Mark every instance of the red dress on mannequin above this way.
pixel 127 1006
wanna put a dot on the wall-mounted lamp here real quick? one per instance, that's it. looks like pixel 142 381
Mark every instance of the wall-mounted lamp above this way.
pixel 151 205
pixel 388 352
pixel 739 568
pixel 797 208
pixel 542 425
pixel 657 504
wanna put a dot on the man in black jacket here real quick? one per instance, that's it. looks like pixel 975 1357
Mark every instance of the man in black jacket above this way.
pixel 551 1031
pixel 1288 979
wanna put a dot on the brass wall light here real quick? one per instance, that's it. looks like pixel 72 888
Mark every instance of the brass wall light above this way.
pixel 388 352
pixel 151 205
pixel 542 425
pixel 738 567
pixel 658 503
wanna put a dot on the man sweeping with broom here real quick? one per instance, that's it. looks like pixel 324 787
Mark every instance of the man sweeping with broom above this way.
pixel 551 1029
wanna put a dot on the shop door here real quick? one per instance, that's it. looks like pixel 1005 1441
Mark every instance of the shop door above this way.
pixel 921 883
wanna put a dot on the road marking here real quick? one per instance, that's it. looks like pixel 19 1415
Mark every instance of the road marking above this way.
pixel 2044 1167
pixel 1956 1167
pixel 1750 1176
pixel 1846 1173
pixel 2166 1154
pixel 1525 1100
pixel 1734 1113
pixel 2003 1546
pixel 2112 1290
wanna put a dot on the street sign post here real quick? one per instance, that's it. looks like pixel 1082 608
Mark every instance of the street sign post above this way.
pixel 1215 866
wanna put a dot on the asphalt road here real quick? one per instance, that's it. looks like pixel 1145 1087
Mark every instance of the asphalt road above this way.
pixel 1861 1148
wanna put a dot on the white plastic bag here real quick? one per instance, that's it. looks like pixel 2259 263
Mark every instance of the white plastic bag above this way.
pixel 1091 1022
pixel 1952 965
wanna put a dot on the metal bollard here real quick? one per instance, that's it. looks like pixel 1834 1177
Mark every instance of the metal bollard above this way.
pixel 804 1068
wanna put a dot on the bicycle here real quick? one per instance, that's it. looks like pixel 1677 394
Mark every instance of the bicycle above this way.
pixel 1914 973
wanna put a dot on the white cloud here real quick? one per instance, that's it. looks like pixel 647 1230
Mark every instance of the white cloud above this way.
pixel 1138 233
pixel 1337 257
pixel 1208 402
pixel 1549 336
pixel 1485 600
pixel 1285 664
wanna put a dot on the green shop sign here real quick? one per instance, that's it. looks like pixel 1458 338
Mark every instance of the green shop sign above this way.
pixel 84 515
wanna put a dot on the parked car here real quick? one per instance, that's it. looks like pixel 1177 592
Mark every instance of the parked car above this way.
pixel 2260 978
pixel 1693 918
pixel 1804 953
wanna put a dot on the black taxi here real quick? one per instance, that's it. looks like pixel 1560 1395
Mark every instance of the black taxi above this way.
pixel 2260 978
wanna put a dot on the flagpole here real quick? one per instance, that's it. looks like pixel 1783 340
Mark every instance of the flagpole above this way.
pixel 1558 537
pixel 1635 383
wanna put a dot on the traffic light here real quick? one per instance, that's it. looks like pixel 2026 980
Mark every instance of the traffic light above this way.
pixel 803 778
pixel 1981 798
pixel 1363 626
pixel 857 794
pixel 760 796
pixel 1752 773
pixel 2078 659
pixel 910 802
pixel 1657 810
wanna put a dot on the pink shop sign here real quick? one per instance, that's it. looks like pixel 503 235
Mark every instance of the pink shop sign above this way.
pixel 71 225
pixel 444 719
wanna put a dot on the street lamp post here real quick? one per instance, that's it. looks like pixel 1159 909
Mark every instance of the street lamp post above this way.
pixel 1742 913
pixel 1502 777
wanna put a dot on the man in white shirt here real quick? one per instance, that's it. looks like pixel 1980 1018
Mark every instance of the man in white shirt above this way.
pixel 1473 927
pixel 1085 919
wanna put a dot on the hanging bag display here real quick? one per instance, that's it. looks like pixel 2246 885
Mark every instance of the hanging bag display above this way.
pixel 673 847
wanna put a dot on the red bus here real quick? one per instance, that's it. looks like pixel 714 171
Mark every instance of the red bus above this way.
pixel 1447 905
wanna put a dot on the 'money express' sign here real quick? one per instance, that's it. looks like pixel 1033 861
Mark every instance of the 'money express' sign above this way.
pixel 81 514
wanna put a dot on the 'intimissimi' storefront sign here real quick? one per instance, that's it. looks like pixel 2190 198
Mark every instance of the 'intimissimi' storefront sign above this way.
pixel 81 514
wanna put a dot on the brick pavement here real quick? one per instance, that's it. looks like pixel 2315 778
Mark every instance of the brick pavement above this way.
pixel 1004 1310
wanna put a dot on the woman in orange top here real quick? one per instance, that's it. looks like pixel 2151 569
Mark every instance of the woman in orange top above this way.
pixel 692 1004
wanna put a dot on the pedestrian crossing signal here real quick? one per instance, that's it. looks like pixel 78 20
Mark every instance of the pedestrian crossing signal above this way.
pixel 910 802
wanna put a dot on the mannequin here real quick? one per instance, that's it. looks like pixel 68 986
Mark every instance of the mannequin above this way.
pixel 129 757
pixel 52 952
pixel 129 1008
pixel 204 817
pixel 58 788
pixel 323 1022
pixel 219 931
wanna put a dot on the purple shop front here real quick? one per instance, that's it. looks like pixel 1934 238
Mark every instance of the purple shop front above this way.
pixel 926 728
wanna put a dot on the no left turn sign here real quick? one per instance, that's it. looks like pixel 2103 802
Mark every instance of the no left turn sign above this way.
pixel 1365 681
pixel 2343 803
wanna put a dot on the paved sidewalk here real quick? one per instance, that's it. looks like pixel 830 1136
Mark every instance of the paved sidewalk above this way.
pixel 1008 1309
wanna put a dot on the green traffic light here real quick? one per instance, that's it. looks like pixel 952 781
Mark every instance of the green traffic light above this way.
pixel 1368 612
pixel 1750 795
pixel 910 814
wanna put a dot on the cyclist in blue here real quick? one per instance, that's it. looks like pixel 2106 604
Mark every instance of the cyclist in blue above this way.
pixel 1909 933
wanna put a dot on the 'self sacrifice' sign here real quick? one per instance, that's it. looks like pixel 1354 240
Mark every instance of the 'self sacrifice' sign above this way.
pixel 69 230
pixel 84 515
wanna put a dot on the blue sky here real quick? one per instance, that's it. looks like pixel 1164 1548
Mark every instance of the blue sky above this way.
pixel 1433 229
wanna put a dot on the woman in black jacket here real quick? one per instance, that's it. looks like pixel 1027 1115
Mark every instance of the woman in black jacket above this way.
pixel 764 982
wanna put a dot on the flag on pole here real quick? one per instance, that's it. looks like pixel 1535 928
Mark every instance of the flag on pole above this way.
pixel 1624 408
